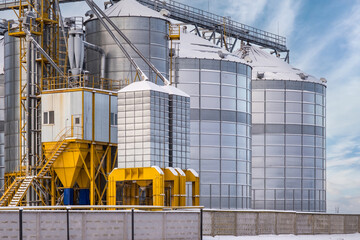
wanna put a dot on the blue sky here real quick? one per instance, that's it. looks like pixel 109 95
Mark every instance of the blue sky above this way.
pixel 323 38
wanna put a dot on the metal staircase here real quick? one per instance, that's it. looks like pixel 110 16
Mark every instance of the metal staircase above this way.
pixel 10 191
pixel 25 184
pixel 19 187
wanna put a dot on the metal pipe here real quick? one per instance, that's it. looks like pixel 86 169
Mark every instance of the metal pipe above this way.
pixel 28 105
pixel 43 52
pixel 117 29
pixel 103 56
pixel 92 5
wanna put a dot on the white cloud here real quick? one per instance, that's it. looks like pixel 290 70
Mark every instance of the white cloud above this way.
pixel 282 17
pixel 245 11
pixel 343 190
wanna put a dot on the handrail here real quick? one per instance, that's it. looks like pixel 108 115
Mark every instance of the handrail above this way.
pixel 82 80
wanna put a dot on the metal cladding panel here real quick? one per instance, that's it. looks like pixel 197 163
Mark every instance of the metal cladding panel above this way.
pixel 12 103
pixel 102 117
pixel 220 128
pixel 114 128
pixel 65 111
pixel 148 34
pixel 143 125
pixel 88 116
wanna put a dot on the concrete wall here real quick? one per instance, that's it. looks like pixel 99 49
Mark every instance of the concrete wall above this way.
pixel 238 223
pixel 89 225
pixel 41 224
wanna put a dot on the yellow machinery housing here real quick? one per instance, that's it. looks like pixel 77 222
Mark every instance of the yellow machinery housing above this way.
pixel 151 186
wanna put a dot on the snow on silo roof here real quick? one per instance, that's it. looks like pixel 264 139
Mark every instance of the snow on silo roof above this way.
pixel 175 91
pixel 126 8
pixel 269 67
pixel 142 86
pixel 193 46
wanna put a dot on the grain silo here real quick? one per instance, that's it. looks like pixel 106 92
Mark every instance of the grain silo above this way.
pixel 2 117
pixel 288 116
pixel 147 30
pixel 12 103
pixel 220 89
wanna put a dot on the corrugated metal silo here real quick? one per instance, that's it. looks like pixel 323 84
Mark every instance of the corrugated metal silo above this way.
pixel 146 28
pixel 220 89
pixel 2 137
pixel 12 103
pixel 288 163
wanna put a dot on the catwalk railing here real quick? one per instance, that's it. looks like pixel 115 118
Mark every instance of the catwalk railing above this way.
pixel 220 24
pixel 8 4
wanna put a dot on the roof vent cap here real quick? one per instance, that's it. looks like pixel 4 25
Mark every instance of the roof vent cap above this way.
pixel 260 75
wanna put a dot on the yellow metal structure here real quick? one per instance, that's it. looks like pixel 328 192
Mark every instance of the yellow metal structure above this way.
pixel 182 189
pixel 127 186
pixel 142 176
pixel 172 184
pixel 193 177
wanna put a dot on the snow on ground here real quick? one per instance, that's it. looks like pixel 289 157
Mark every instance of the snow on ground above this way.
pixel 355 236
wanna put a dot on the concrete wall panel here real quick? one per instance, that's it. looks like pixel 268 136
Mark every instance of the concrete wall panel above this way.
pixel 321 224
pixel 224 223
pixel 351 224
pixel 246 223
pixel 285 223
pixel 304 223
pixel 266 223
pixel 336 224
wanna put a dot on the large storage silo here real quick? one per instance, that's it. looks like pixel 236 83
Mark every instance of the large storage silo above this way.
pixel 147 29
pixel 2 137
pixel 2 117
pixel 220 89
pixel 12 103
pixel 288 163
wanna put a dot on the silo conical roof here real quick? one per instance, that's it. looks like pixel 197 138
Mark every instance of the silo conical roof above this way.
pixel 271 67
pixel 142 86
pixel 175 91
pixel 125 8
pixel 194 46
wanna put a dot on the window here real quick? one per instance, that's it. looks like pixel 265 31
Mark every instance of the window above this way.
pixel 49 117
pixel 113 118
pixel 46 118
pixel 77 120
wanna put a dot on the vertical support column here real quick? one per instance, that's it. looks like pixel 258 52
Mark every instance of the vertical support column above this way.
pixel 92 155
pixel 53 197
pixel 108 169
pixel 92 175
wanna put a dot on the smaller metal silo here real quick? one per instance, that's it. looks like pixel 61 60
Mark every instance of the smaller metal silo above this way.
pixel 143 126
pixel 179 128
pixel 148 31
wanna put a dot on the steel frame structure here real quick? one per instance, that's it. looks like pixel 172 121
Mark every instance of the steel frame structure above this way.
pixel 222 30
